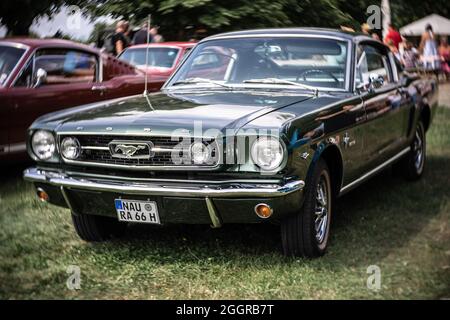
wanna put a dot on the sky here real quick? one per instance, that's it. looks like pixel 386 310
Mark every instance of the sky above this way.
pixel 68 21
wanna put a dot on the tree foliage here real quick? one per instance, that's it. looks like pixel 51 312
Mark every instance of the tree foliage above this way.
pixel 174 16
pixel 177 17
pixel 18 15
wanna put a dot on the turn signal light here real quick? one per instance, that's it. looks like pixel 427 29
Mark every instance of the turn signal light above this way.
pixel 42 195
pixel 263 210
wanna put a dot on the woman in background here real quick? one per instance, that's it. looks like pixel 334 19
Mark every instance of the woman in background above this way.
pixel 429 50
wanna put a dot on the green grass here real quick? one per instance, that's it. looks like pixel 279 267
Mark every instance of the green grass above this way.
pixel 401 227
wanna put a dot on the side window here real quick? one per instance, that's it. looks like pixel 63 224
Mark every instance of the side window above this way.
pixel 371 61
pixel 62 67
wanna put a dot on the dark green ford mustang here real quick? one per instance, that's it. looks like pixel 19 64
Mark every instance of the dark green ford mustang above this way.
pixel 254 126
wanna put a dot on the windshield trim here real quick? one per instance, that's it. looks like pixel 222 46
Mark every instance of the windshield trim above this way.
pixel 307 36
pixel 245 86
pixel 174 63
pixel 19 62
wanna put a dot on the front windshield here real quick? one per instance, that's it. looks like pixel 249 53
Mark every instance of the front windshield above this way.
pixel 9 57
pixel 298 62
pixel 157 57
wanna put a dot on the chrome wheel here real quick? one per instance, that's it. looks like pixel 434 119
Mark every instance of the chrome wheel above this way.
pixel 418 150
pixel 321 221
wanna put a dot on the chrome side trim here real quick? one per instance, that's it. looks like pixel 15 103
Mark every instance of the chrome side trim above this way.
pixel 18 147
pixel 374 171
pixel 215 220
pixel 192 189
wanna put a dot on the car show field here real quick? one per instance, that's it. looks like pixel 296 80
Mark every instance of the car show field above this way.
pixel 400 227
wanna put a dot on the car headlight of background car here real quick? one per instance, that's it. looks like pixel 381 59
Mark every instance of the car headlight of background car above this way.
pixel 43 144
pixel 267 153
pixel 70 148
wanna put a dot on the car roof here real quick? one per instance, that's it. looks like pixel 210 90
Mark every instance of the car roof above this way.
pixel 180 44
pixel 291 31
pixel 36 43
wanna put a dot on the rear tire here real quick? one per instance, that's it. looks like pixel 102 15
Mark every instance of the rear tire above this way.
pixel 413 164
pixel 306 233
pixel 93 228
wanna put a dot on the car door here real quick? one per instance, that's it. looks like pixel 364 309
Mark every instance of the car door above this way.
pixel 68 78
pixel 386 105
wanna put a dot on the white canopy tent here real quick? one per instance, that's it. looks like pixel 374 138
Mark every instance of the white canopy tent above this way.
pixel 441 26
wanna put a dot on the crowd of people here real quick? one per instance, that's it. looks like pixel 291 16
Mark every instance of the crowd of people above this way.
pixel 124 37
pixel 431 55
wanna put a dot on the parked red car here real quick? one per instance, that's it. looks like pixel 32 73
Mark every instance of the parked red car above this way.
pixel 38 76
pixel 163 57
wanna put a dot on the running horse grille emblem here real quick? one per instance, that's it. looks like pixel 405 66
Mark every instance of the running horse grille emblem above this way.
pixel 131 149
pixel 128 151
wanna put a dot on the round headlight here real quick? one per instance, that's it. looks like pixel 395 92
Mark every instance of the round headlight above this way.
pixel 43 144
pixel 267 153
pixel 200 153
pixel 70 148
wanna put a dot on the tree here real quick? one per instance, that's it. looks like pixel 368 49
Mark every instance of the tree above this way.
pixel 98 33
pixel 175 16
pixel 18 15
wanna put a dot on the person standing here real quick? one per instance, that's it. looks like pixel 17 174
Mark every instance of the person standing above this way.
pixel 444 52
pixel 119 39
pixel 156 37
pixel 394 36
pixel 140 37
pixel 409 56
pixel 429 50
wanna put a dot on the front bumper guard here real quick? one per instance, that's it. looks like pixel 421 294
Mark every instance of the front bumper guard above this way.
pixel 229 189
pixel 162 188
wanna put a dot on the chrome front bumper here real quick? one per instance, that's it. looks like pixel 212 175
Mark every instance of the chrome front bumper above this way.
pixel 191 188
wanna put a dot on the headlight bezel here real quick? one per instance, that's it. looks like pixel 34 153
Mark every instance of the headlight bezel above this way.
pixel 280 164
pixel 53 148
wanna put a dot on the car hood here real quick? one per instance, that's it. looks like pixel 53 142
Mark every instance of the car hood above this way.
pixel 166 111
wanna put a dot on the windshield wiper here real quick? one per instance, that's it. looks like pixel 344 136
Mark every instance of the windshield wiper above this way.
pixel 281 81
pixel 200 80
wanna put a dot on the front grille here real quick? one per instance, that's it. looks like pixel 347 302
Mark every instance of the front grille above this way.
pixel 96 149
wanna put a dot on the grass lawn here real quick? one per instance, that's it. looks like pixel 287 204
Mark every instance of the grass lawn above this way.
pixel 401 227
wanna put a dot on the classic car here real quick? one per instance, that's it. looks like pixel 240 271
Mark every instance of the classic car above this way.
pixel 163 58
pixel 287 121
pixel 38 76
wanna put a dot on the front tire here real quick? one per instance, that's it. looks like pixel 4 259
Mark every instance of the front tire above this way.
pixel 93 228
pixel 413 165
pixel 306 233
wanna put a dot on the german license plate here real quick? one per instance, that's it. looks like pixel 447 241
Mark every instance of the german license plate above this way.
pixel 137 211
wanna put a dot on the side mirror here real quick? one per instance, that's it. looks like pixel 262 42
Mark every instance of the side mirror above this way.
pixel 41 77
pixel 375 81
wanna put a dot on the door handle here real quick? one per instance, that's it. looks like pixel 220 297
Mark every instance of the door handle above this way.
pixel 98 88
pixel 101 89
